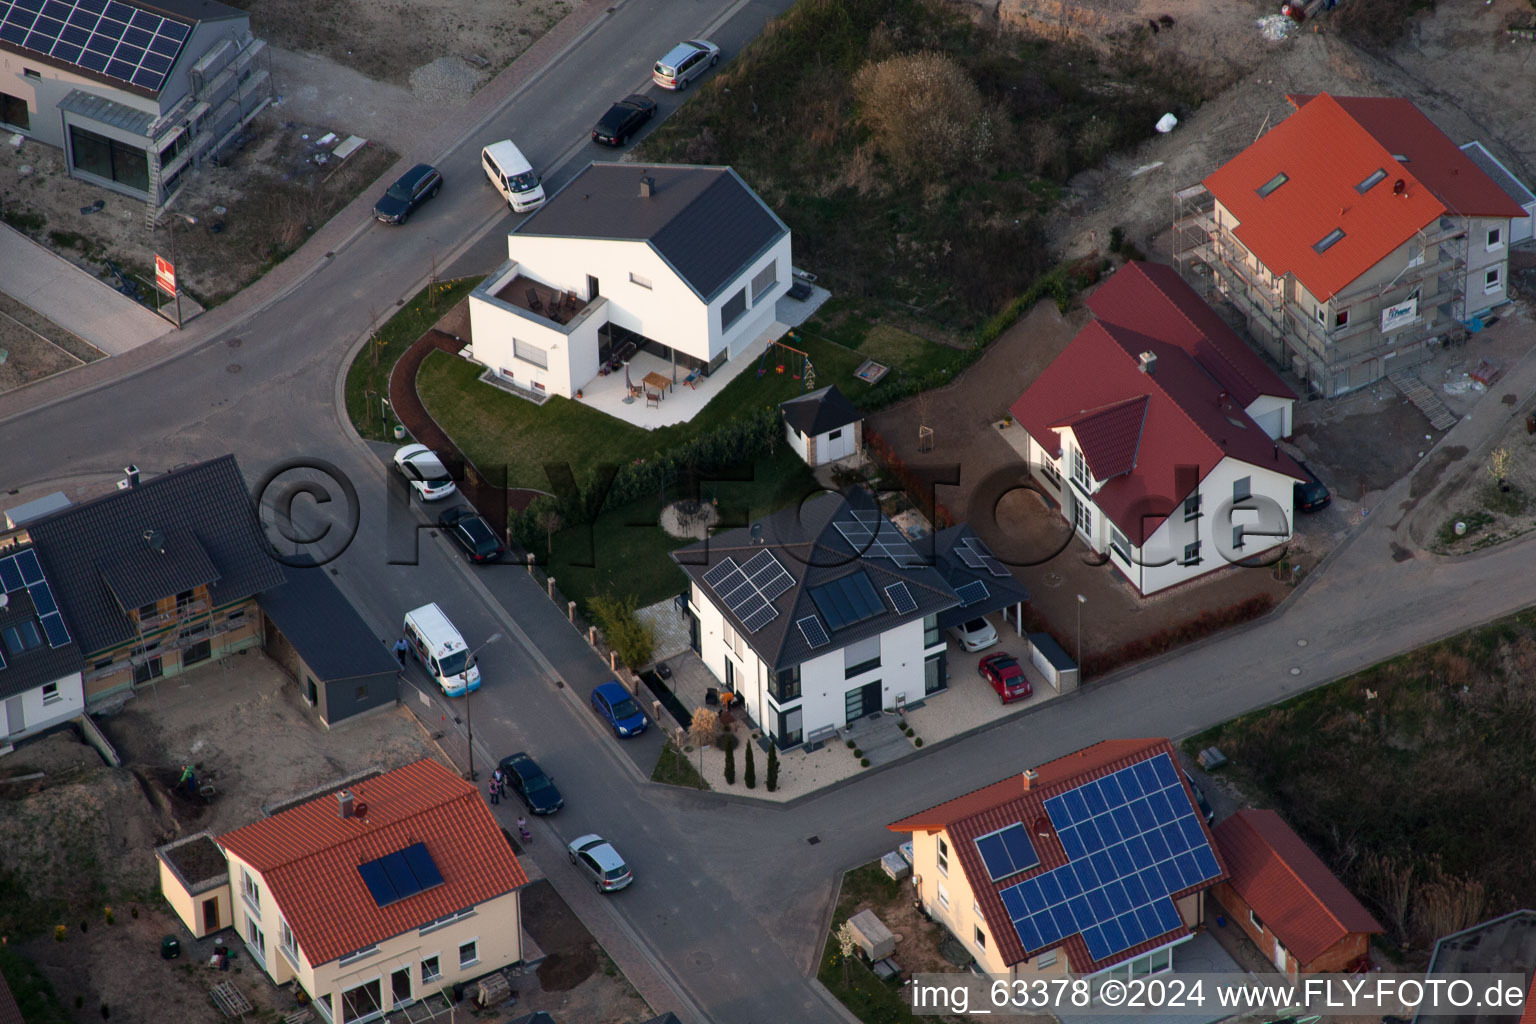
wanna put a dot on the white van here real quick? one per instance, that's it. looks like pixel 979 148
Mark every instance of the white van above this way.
pixel 513 176
pixel 441 650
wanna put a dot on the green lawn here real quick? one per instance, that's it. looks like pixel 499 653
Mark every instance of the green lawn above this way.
pixel 854 984
pixel 368 377
pixel 675 769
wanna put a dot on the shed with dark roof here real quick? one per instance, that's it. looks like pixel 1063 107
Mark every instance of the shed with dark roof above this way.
pixel 314 632
pixel 823 426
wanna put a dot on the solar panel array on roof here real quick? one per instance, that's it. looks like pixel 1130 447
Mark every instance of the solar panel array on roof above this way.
pixel 750 590
pixel 1133 840
pixel 22 571
pixel 1007 851
pixel 901 598
pixel 972 592
pixel 847 599
pixel 874 536
pixel 400 875
pixel 814 632
pixel 104 36
pixel 977 555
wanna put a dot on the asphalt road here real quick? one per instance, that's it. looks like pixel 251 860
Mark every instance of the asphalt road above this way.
pixel 730 895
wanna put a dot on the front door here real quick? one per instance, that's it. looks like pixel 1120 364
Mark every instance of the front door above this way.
pixel 872 697
pixel 400 986
pixel 730 675
pixel 861 701
pixel 210 916
pixel 15 718
pixel 693 632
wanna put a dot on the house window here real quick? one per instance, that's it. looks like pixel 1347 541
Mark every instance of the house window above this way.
pixel 200 651
pixel 764 282
pixel 457 915
pixel 250 890
pixel 149 611
pixel 366 1000
pixel 1256 922
pixel 834 435
pixel 1082 517
pixel 13 111
pixel 32 73
pixel 183 599
pixel 791 728
pixel 943 856
pixel 431 969
pixel 932 635
pixel 362 692
pixel 1046 959
pixel 152 668
pixel 1192 554
pixel 1080 470
pixel 289 940
pixel 1322 316
pixel 1237 537
pixel 643 282
pixel 1341 318
pixel 981 939
pixel 356 955
pixel 469 954
pixel 108 158
pixel 530 354
pixel 935 673
pixel 258 941
pixel 51 694
pixel 943 896
pixel 174 148
pixel 1272 184
pixel 861 657
pixel 786 685
pixel 1242 489
pixel 1495 239
pixel 1048 470
pixel 734 308
pixel 1491 280
pixel 1120 545
pixel 1328 241
pixel 1192 507
pixel 235 616
pixel 23 636
pixel 103 663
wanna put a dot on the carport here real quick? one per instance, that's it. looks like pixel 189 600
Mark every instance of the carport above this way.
pixel 984 584
pixel 314 632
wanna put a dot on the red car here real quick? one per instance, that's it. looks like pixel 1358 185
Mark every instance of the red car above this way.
pixel 1006 677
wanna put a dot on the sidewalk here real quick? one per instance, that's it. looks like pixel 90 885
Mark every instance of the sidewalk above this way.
pixel 74 299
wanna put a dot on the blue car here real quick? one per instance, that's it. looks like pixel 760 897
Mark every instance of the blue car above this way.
pixel 618 709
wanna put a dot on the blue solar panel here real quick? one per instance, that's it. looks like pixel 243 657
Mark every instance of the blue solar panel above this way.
pixel 1082 912
pixel 1131 926
pixel 1093 798
pixel 1088 833
pixel 1168 915
pixel 1141 810
pixel 1064 923
pixel 1076 806
pixel 1125 821
pixel 31 570
pixel 1100 904
pixel 1071 842
pixel 53 625
pixel 1135 893
pixel 1129 784
pixel 42 598
pixel 1068 880
pixel 1014 903
pixel 1020 848
pixel 1124 865
pixel 399 875
pixel 1150 925
pixel 165 46
pixel 12 33
pixel 379 886
pixel 138 37
pixel 1114 938
pixel 94 6
pixel 1095 942
pixel 1007 852
pixel 1050 889
pixel 10 575
pixel 93 60
pixel 1173 879
pixel 1028 934
pixel 1086 875
pixel 1104 867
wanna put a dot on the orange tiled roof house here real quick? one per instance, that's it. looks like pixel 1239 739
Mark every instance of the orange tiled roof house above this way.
pixel 368 897
pixel 1352 236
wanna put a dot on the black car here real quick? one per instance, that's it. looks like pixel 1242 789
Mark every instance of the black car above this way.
pixel 1311 495
pixel 623 119
pixel 526 779
pixel 415 187
pixel 473 534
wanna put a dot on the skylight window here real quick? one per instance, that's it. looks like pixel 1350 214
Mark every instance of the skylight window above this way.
pixel 1400 158
pixel 1327 242
pixel 1377 176
pixel 1272 184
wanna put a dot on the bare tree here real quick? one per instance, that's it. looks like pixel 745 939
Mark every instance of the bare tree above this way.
pixel 550 522
pixel 847 945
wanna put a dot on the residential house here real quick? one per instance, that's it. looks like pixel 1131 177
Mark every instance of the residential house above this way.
pixel 1287 901
pixel 310 629
pixel 1520 228
pixel 1351 236
pixel 40 662
pixel 1155 433
pixel 681 262
pixel 816 616
pixel 368 897
pixel 1504 945
pixel 1091 864
pixel 981 580
pixel 135 92
pixel 823 426
pixel 160 575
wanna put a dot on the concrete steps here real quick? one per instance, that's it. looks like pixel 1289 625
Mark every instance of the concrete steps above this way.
pixel 1426 400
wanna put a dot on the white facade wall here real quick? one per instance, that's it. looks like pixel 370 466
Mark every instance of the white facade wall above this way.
pixel 47 90
pixel 1487 258
pixel 1273 414
pixel 797 443
pixel 65 700
pixel 761 309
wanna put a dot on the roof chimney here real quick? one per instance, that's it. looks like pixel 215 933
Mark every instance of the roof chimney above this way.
pixel 156 540
pixel 132 473
pixel 647 187
pixel 344 804
pixel 757 533
pixel 1277 451
pixel 1147 363
pixel 1030 775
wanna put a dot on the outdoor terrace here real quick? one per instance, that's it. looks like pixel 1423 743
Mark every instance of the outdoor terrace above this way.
pixel 553 304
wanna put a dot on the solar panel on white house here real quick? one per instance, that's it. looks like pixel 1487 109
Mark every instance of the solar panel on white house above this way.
pixel 1006 851
pixel 814 632
pixel 972 592
pixel 748 591
pixel 847 600
pixel 901 598
pixel 10 575
pixel 110 38
pixel 969 557
pixel 31 569
pixel 53 625
pixel 993 566
pixel 720 572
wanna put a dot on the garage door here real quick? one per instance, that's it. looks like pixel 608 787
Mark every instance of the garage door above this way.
pixel 1272 422
pixel 839 444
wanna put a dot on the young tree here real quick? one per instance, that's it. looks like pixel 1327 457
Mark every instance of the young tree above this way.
pixel 702 732
pixel 773 766
pixel 751 778
pixel 730 765
pixel 847 945
pixel 550 522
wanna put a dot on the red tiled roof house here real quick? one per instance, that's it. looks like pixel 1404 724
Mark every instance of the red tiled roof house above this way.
pixel 1350 235
pixel 1092 863
pixel 1286 900
pixel 369 897
pixel 1156 432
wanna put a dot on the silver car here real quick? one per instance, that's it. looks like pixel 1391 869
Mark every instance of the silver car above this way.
pixel 685 62
pixel 597 858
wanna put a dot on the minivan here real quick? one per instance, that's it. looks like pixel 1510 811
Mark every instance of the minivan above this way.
pixel 437 645
pixel 513 176
pixel 685 62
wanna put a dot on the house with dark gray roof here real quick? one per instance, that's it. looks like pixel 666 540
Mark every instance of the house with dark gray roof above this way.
pixel 823 426
pixel 137 93
pixel 160 575
pixel 682 262
pixel 819 615
pixel 40 662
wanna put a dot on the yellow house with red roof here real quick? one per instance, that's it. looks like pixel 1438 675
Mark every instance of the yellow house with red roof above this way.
pixel 1352 236
pixel 369 897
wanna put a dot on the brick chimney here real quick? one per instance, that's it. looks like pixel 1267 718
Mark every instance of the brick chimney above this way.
pixel 1030 775
pixel 344 804
pixel 131 472
pixel 1147 363
pixel 647 187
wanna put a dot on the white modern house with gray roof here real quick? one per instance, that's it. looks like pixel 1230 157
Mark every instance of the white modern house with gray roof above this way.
pixel 135 92
pixel 40 662
pixel 684 263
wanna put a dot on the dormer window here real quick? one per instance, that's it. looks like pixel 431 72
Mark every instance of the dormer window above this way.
pixel 1328 241
pixel 1272 184
pixel 1376 177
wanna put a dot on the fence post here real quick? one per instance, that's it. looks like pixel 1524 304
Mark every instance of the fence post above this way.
pixel 570 610
pixel 656 711
pixel 549 587
pixel 613 661
pixel 530 560
pixel 592 635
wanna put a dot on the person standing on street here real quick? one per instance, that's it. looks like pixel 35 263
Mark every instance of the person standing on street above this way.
pixel 400 648
pixel 493 789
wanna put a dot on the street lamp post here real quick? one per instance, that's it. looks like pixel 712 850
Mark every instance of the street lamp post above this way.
pixel 469 720
pixel 1081 600
pixel 190 220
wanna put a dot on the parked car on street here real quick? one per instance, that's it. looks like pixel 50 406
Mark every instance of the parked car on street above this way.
pixel 623 119
pixel 415 187
pixel 428 476
pixel 975 635
pixel 1006 675
pixel 526 779
pixel 616 707
pixel 1310 495
pixel 685 62
pixel 600 862
pixel 472 534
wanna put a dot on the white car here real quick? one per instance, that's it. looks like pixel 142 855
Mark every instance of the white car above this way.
pixel 600 862
pixel 976 635
pixel 426 472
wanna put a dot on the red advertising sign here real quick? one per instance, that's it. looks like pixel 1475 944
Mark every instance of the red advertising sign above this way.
pixel 165 275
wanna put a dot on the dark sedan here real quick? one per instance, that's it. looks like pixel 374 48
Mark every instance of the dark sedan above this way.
pixel 526 779
pixel 415 187
pixel 472 534
pixel 623 119
pixel 1311 495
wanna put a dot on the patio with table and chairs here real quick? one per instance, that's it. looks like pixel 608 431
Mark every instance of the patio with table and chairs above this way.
pixel 650 392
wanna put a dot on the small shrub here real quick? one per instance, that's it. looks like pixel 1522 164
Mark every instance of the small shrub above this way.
pixel 59 931
pixel 918 742
pixel 857 752
pixel 864 762
pixel 730 765
pixel 109 915
pixel 1116 238
pixel 851 744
